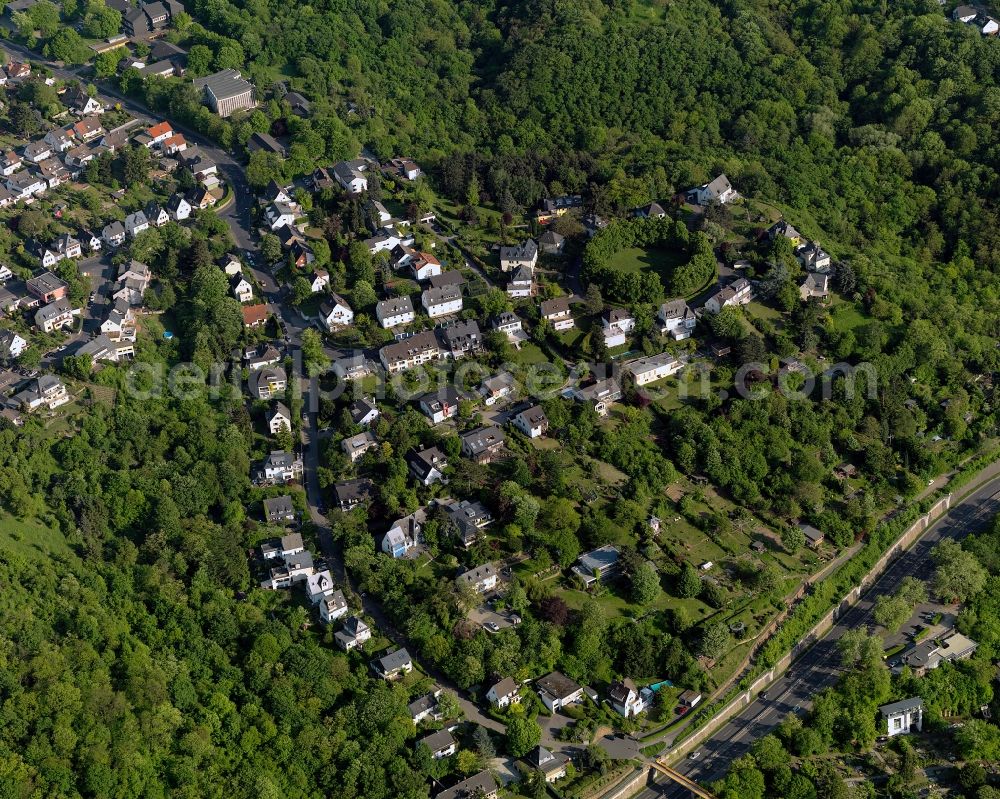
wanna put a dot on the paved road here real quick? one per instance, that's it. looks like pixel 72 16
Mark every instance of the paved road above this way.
pixel 819 667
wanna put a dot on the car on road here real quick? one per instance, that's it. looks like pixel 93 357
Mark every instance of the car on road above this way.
pixel 492 627
pixel 694 755
pixel 763 695
pixel 93 296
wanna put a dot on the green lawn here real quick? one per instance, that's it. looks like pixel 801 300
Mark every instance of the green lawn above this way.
pixel 31 539
pixel 657 259
pixel 530 354
pixel 846 316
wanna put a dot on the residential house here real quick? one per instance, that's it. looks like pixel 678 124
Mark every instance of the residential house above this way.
pixel 462 338
pixel 815 286
pixel 268 382
pixel 652 211
pixel 441 302
pixel 378 211
pixel 496 388
pixel 478 786
pixel 814 258
pixel 427 465
pixel 784 229
pixel 468 519
pixel 449 278
pixel 5 273
pixel 300 105
pixel 24 185
pixel 230 264
pixel 598 564
pixel 551 243
pixel 600 394
pixel 521 283
pixel 53 172
pixel 903 717
pixel 114 234
pixel 54 316
pixel 11 345
pixel 441 404
pixel 136 223
pixel 617 323
pixel 10 163
pixel 965 14
pixel 88 129
pixel 656 367
pixel 254 315
pixel 91 241
pixel 557 691
pixel 393 665
pixel 424 266
pixel 718 191
pixel 102 348
pixel 425 708
pixel 319 280
pixel 179 208
pixel 510 324
pixel 59 139
pixel 551 765
pixel 156 214
pixel 265 142
pixel 394 312
pixel 554 207
pixel 739 292
pixel 532 422
pixel 405 168
pixel 356 446
pixel 483 445
pixel 556 312
pixel 281 467
pixel 689 698
pixel 133 281
pixel 335 313
pixel 37 151
pixel 294 569
pixel 284 547
pixel 174 144
pixel 44 391
pixel 404 534
pixel 352 493
pixel 279 510
pixel 504 693
pixel 47 287
pixel 677 319
pixel 333 606
pixel 523 254
pixel 200 197
pixel 241 288
pixel 353 367
pixel 625 698
pixel 262 355
pixel 204 169
pixel 410 352
pixel 81 103
pixel 349 174
pixel 321 179
pixel 319 585
pixel 280 214
pixel 120 322
pixel 226 92
pixel 363 411
pixel 279 418
pixel 440 744
pixel 353 634
pixel 930 654
pixel 813 536
pixel 481 579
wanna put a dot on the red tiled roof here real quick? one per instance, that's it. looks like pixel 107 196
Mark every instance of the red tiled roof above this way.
pixel 254 314
pixel 159 129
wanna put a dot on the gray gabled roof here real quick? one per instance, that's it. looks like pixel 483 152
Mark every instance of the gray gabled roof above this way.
pixel 394 660
pixel 901 706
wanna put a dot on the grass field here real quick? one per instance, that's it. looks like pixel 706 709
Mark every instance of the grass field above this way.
pixel 31 539
pixel 656 259
pixel 846 316
pixel 530 354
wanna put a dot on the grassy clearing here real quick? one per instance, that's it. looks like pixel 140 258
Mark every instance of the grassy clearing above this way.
pixel 31 538
pixel 530 354
pixel 846 316
pixel 655 259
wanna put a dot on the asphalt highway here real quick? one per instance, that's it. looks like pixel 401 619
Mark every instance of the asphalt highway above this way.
pixel 819 668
